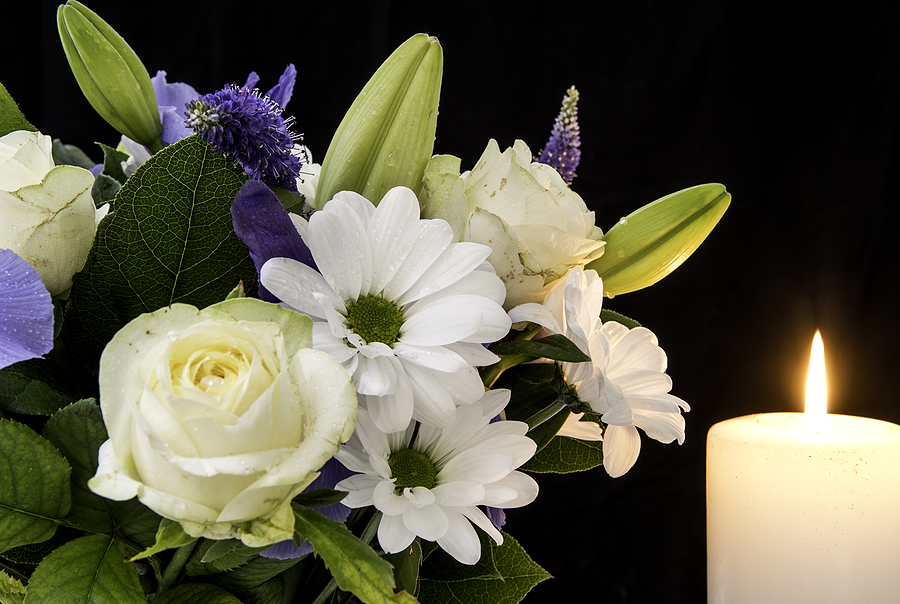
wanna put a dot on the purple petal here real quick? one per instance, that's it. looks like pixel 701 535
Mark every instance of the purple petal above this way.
pixel 171 100
pixel 252 79
pixel 282 92
pixel 263 225
pixel 329 475
pixel 26 311
pixel 497 516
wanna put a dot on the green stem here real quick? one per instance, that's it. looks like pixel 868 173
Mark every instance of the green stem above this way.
pixel 490 373
pixel 175 566
pixel 155 146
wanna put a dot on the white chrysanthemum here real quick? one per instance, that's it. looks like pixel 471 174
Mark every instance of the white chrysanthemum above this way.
pixel 625 381
pixel 428 481
pixel 400 306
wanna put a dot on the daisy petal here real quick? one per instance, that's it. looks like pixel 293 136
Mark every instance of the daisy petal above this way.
pixel 621 447
pixel 388 502
pixel 460 541
pixel 393 536
pixel 393 231
pixel 429 522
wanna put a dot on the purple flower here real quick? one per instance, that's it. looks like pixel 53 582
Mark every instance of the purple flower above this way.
pixel 562 150
pixel 248 128
pixel 26 312
pixel 263 225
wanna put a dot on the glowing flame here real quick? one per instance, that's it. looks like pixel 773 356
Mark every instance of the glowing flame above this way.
pixel 816 407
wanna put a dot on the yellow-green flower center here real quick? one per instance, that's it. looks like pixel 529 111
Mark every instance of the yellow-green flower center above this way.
pixel 412 469
pixel 375 319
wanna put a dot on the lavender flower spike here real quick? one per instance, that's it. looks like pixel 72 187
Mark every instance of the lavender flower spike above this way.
pixel 26 312
pixel 562 150
pixel 248 128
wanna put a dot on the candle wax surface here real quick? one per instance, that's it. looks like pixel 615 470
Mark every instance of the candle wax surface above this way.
pixel 800 516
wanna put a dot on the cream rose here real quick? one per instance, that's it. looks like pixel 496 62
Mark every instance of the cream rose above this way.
pixel 48 213
pixel 536 226
pixel 217 418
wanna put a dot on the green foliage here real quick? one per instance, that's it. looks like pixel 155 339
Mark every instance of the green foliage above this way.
pixel 406 567
pixel 104 189
pixel 504 575
pixel 89 570
pixel 319 498
pixel 78 431
pixel 355 566
pixel 11 119
pixel 112 163
pixel 11 590
pixel 34 486
pixel 556 348
pixel 196 593
pixel 30 389
pixel 210 557
pixel 611 315
pixel 170 239
pixel 169 536
pixel 564 455
pixel 70 155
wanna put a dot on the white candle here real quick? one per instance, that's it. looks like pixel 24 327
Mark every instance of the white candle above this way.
pixel 803 510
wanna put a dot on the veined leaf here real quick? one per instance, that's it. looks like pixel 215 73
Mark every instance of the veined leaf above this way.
pixel 354 565
pixel 504 575
pixel 34 486
pixel 556 348
pixel 170 239
pixel 564 455
pixel 88 570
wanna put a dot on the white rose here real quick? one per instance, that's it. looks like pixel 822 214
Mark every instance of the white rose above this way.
pixel 48 213
pixel 218 417
pixel 536 226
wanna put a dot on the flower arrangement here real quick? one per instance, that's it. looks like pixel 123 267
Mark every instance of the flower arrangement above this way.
pixel 229 374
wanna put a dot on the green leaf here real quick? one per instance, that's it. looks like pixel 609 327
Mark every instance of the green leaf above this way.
pixel 406 567
pixel 543 433
pixel 504 575
pixel 611 315
pixel 29 389
pixel 319 498
pixel 33 553
pixel 211 557
pixel 34 486
pixel 11 590
pixel 556 348
pixel 112 163
pixel 11 119
pixel 650 243
pixel 169 536
pixel 104 189
pixel 355 566
pixel 292 202
pixel 254 573
pixel 564 455
pixel 196 593
pixel 170 239
pixel 78 431
pixel 70 155
pixel 89 570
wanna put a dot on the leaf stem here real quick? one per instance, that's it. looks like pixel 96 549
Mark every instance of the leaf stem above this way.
pixel 490 373
pixel 175 566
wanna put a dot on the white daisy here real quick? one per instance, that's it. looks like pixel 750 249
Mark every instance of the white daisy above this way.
pixel 428 481
pixel 625 381
pixel 401 307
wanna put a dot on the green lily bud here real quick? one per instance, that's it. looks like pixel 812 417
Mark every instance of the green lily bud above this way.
pixel 387 136
pixel 110 74
pixel 650 243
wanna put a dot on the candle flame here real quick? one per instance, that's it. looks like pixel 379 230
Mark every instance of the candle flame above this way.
pixel 816 407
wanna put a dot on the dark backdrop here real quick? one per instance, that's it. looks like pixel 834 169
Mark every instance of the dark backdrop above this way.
pixel 795 111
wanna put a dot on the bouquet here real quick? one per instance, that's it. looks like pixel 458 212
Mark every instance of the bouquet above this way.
pixel 231 374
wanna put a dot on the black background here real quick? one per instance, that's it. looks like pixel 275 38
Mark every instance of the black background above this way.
pixel 794 110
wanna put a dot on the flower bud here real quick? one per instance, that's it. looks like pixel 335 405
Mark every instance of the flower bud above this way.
pixel 387 137
pixel 110 74
pixel 653 241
